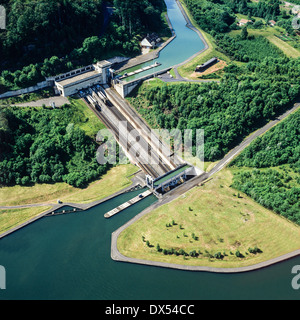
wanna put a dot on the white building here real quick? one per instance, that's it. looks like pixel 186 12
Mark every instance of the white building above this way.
pixel 150 41
pixel 72 82
pixel 243 22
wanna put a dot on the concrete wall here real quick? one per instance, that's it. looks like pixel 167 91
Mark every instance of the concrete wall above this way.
pixel 71 89
pixel 39 86
pixel 125 88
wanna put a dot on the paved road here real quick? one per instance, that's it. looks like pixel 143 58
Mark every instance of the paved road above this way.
pixel 167 78
pixel 249 139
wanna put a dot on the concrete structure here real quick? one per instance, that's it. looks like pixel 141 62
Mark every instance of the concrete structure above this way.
pixel 172 179
pixel 72 82
pixel 125 88
pixel 128 204
pixel 206 65
pixel 38 86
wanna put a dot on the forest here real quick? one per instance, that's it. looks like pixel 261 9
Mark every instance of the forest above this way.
pixel 269 169
pixel 46 38
pixel 38 29
pixel 245 99
pixel 247 49
pixel 46 146
pixel 218 16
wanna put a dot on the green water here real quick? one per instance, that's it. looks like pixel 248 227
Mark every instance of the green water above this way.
pixel 68 257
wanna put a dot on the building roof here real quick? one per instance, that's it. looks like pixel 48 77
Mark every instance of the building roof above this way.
pixel 146 43
pixel 244 21
pixel 149 39
pixel 79 78
pixel 104 63
pixel 208 63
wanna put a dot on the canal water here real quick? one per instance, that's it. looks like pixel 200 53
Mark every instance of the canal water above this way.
pixel 68 257
pixel 185 45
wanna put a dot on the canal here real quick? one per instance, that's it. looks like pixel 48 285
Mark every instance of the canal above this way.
pixel 68 257
pixel 186 44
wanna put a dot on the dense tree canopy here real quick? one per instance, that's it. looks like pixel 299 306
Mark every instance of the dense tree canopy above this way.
pixel 275 181
pixel 281 145
pixel 42 28
pixel 47 38
pixel 139 14
pixel 247 48
pixel 218 15
pixel 243 101
pixel 44 146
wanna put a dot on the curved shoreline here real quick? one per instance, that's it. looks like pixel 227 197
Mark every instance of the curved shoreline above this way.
pixel 79 206
pixel 117 256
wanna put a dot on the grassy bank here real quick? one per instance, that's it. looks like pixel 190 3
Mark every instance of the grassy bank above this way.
pixel 85 117
pixel 218 221
pixel 14 217
pixel 113 181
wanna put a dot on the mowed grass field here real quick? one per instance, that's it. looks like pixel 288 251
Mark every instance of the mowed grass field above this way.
pixel 113 181
pixel 14 217
pixel 211 218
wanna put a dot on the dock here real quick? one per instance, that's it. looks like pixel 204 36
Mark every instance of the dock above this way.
pixel 128 204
